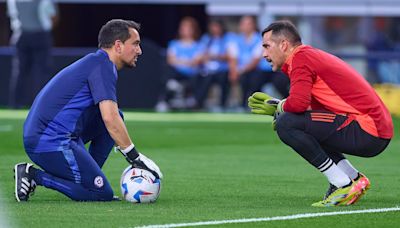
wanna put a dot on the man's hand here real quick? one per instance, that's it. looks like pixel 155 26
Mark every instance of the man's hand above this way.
pixel 261 103
pixel 138 160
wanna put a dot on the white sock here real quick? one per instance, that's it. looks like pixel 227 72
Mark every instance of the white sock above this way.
pixel 347 168
pixel 334 174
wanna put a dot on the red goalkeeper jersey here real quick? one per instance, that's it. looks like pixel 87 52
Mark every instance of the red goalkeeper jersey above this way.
pixel 321 81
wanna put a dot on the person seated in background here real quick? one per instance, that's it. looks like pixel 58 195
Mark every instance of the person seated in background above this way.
pixel 183 60
pixel 247 56
pixel 214 68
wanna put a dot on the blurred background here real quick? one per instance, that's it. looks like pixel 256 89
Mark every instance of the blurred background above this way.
pixel 365 33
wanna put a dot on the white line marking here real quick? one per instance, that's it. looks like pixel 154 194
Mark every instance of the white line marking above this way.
pixel 277 218
pixel 13 114
pixel 167 117
pixel 197 117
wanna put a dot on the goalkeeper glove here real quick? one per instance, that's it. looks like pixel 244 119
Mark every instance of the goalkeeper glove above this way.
pixel 276 115
pixel 261 103
pixel 138 160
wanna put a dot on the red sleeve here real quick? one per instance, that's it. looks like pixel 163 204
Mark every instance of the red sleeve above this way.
pixel 301 83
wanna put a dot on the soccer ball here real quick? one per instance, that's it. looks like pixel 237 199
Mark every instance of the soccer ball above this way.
pixel 139 186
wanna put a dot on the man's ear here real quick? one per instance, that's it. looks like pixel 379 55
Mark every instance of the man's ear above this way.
pixel 284 45
pixel 117 46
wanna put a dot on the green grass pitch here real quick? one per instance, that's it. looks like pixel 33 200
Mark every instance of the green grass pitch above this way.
pixel 216 167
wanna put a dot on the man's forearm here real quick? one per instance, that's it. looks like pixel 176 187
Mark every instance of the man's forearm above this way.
pixel 114 123
pixel 118 132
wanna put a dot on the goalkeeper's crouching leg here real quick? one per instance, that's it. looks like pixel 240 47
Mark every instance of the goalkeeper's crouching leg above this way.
pixel 291 129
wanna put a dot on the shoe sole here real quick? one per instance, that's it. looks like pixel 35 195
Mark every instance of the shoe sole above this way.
pixel 345 201
pixel 15 181
pixel 349 199
pixel 339 202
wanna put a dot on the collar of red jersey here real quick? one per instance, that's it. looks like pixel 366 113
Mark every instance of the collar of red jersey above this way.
pixel 288 63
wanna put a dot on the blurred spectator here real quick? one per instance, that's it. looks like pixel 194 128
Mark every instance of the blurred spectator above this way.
pixel 31 22
pixel 335 34
pixel 214 63
pixel 182 74
pixel 247 57
pixel 395 33
pixel 377 41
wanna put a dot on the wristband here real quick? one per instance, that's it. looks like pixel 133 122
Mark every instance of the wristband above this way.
pixel 126 150
pixel 279 108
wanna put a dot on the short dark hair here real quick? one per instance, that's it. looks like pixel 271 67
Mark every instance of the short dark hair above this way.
pixel 115 29
pixel 284 28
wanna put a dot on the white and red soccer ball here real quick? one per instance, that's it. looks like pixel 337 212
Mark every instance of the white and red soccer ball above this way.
pixel 139 185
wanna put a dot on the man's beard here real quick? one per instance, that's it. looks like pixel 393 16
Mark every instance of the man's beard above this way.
pixel 129 65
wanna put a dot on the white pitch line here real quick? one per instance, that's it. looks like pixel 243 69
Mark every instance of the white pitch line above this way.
pixel 167 117
pixel 196 117
pixel 277 218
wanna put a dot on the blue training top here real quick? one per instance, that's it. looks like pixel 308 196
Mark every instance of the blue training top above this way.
pixel 55 116
pixel 249 50
pixel 215 46
pixel 185 51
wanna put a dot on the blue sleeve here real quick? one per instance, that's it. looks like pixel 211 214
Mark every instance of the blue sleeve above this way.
pixel 102 84
pixel 204 41
pixel 172 46
pixel 199 49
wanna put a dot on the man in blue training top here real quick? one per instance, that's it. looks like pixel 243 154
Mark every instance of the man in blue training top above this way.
pixel 79 105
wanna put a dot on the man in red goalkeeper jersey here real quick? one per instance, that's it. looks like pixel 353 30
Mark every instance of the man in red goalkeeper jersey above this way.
pixel 331 110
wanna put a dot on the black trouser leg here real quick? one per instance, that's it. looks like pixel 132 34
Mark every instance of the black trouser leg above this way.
pixel 291 130
pixel 315 136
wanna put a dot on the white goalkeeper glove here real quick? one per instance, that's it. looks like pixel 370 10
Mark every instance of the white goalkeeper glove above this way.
pixel 138 160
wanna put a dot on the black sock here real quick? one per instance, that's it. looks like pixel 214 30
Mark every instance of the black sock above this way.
pixel 32 171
